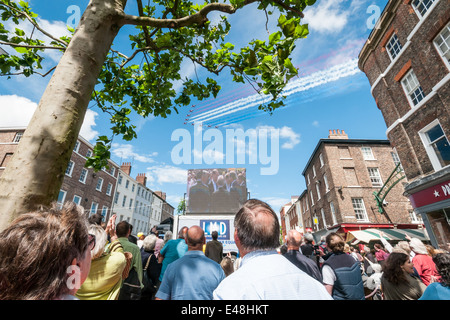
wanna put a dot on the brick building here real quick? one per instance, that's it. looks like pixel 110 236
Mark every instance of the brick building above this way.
pixel 406 60
pixel 89 189
pixel 341 177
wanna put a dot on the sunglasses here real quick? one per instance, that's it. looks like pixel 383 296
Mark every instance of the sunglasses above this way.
pixel 91 241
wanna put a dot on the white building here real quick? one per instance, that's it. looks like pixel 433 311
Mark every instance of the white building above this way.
pixel 125 196
pixel 157 207
pixel 143 207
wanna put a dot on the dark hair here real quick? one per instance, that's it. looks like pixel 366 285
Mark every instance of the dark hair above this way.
pixel 122 229
pixel 255 232
pixel 96 219
pixel 442 261
pixel 182 233
pixel 392 267
pixel 37 249
pixel 335 242
pixel 214 235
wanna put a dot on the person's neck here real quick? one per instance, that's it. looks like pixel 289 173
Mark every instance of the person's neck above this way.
pixel 293 248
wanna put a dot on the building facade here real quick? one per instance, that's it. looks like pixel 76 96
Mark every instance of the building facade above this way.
pixel 92 190
pixel 342 176
pixel 406 60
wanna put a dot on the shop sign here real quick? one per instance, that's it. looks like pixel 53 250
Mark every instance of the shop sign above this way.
pixel 431 195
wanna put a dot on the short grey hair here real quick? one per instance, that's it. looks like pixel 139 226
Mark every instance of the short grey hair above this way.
pixel 149 242
pixel 100 240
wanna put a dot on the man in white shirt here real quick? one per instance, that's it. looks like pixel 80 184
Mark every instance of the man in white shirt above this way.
pixel 263 273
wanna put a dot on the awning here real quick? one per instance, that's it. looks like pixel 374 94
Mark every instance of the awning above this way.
pixel 368 235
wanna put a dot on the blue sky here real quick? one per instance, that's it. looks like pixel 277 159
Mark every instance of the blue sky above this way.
pixel 330 93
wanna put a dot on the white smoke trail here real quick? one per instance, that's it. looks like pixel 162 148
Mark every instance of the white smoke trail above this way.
pixel 316 79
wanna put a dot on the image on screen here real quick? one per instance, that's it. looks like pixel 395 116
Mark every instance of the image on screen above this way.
pixel 216 190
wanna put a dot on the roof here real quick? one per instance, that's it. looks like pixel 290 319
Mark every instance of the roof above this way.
pixel 342 141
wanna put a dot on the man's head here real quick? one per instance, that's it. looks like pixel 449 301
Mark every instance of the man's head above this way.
pixel 256 227
pixel 141 236
pixel 214 235
pixel 335 242
pixel 215 175
pixel 205 177
pixel 294 240
pixel 195 238
pixel 123 229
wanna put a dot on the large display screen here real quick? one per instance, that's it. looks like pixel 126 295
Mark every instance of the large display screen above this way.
pixel 216 190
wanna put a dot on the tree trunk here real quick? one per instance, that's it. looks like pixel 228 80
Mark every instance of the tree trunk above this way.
pixel 35 173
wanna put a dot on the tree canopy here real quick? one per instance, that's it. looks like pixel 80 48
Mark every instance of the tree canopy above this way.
pixel 167 32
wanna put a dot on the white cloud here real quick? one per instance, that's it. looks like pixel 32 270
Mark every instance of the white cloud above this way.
pixel 127 151
pixel 17 111
pixel 326 16
pixel 166 174
pixel 285 133
pixel 315 123
pixel 275 202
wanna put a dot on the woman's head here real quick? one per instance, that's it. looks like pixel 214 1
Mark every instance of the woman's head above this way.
pixel 442 261
pixel 149 242
pixel 100 240
pixel 335 242
pixel 38 250
pixel 395 266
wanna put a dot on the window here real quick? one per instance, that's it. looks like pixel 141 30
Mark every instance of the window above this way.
pixel 112 171
pixel 99 184
pixel 69 168
pixel 360 209
pixel 83 175
pixel 325 179
pixel 436 145
pixel 322 212
pixel 124 201
pixel 442 43
pixel 396 160
pixel 120 179
pixel 367 153
pixel 131 203
pixel 350 176
pixel 77 146
pixel 414 217
pixel 104 211
pixel 88 153
pixel 94 207
pixel 318 191
pixel 375 177
pixel 132 187
pixel 127 183
pixel 108 189
pixel 344 153
pixel 412 88
pixel 61 198
pixel 314 171
pixel 321 160
pixel 116 198
pixel 393 46
pixel 77 199
pixel 309 181
pixel 422 6
pixel 312 199
pixel 333 213
pixel 18 136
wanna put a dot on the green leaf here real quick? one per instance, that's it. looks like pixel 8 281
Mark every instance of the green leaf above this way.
pixel 21 49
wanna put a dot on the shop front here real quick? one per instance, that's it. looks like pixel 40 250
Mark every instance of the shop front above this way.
pixel 431 199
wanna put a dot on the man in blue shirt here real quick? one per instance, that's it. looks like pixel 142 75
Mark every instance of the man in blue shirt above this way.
pixel 194 276
pixel 173 250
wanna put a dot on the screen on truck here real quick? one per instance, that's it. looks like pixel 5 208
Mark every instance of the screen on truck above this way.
pixel 216 190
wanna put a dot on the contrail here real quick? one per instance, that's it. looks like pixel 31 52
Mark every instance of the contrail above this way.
pixel 316 79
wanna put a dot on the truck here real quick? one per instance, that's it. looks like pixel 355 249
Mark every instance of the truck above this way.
pixel 223 224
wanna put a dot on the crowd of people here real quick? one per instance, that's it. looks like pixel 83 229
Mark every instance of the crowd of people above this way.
pixel 58 254
pixel 216 190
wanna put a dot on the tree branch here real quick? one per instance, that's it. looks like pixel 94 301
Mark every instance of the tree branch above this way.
pixel 197 18
pixel 36 25
pixel 19 45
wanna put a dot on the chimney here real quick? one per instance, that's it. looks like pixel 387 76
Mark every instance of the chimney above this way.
pixel 142 179
pixel 337 134
pixel 126 167
pixel 161 194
